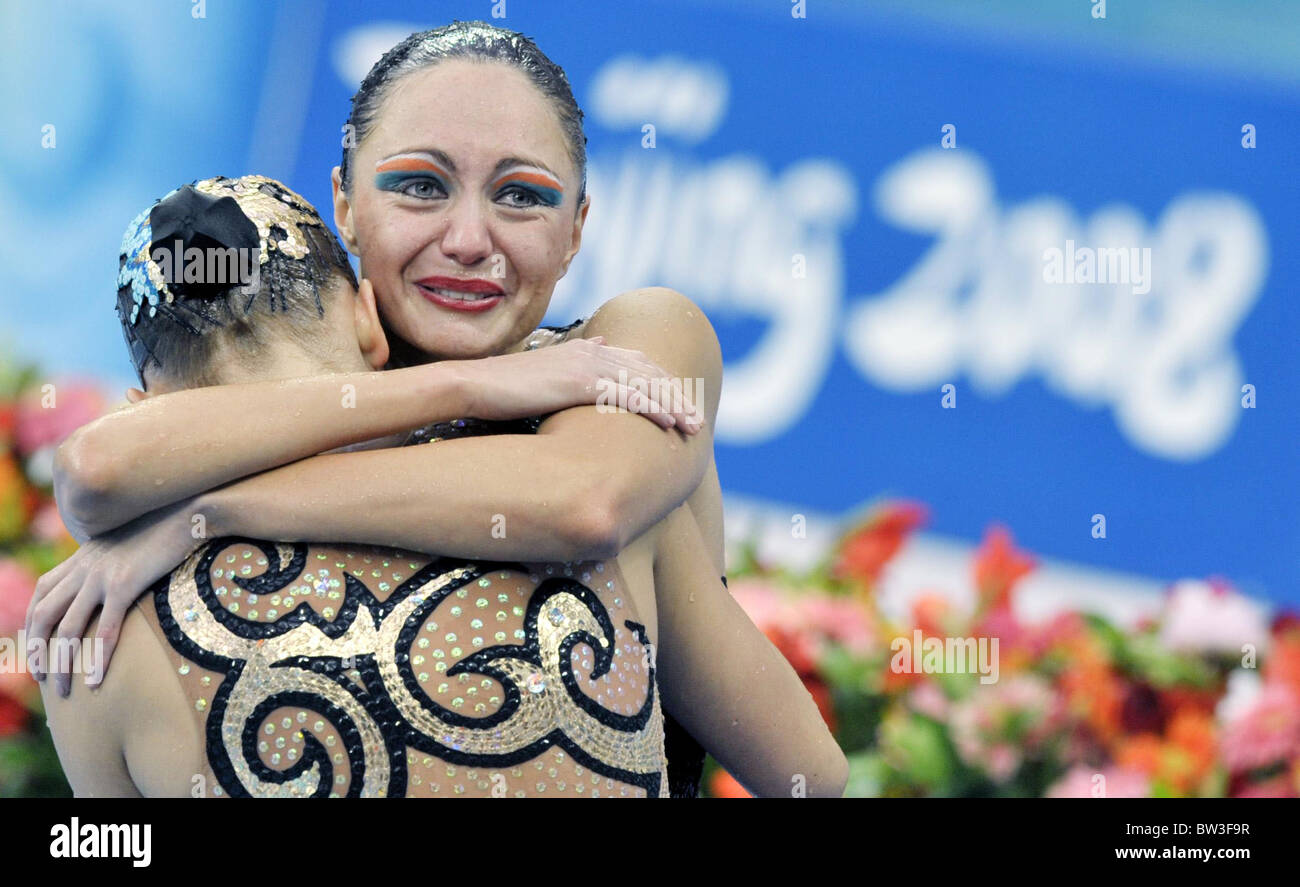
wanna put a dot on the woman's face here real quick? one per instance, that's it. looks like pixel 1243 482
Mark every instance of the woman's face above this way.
pixel 464 188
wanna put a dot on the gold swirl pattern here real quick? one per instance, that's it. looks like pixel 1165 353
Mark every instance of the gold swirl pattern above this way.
pixel 451 665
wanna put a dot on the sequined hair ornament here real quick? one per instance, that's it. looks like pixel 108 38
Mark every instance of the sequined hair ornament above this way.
pixel 204 254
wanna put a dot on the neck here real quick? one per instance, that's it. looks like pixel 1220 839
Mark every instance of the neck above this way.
pixel 403 354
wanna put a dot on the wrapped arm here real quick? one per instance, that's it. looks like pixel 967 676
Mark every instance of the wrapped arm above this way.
pixel 585 485
pixel 173 446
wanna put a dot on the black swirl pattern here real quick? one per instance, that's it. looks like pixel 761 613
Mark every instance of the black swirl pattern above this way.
pixel 388 711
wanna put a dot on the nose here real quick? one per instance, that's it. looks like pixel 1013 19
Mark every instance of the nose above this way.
pixel 466 238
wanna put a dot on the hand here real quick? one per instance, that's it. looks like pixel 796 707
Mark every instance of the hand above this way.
pixel 577 373
pixel 111 570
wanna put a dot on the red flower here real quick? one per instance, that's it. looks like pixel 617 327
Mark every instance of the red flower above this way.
pixel 800 651
pixel 797 647
pixel 1282 665
pixel 723 785
pixel 1286 622
pixel 931 612
pixel 865 551
pixel 13 716
pixel 998 567
pixel 8 419
pixel 1141 711
pixel 1279 786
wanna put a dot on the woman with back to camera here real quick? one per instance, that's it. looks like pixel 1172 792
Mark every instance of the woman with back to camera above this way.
pixel 463 192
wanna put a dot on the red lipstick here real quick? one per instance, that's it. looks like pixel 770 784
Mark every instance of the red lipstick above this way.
pixel 461 294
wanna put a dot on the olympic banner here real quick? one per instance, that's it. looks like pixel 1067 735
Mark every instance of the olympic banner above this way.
pixel 1025 283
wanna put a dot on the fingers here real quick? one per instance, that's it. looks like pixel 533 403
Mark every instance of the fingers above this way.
pixel 47 583
pixel 642 404
pixel 110 629
pixel 666 393
pixel 67 642
pixel 49 612
pixel 642 386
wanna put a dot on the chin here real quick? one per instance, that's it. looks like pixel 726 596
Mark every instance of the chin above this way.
pixel 456 342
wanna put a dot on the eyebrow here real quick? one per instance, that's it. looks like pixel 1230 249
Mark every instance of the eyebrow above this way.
pixel 532 178
pixel 409 163
pixel 504 164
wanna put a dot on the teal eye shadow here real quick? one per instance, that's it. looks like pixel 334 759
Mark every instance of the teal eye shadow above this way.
pixel 548 196
pixel 396 180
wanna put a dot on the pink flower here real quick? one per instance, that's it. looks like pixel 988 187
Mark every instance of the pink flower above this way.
pixel 47 525
pixel 39 424
pixel 1002 623
pixel 927 699
pixel 840 619
pixel 17 583
pixel 809 619
pixel 1003 761
pixel 996 723
pixel 1115 782
pixel 766 605
pixel 1061 628
pixel 1266 733
pixel 1211 618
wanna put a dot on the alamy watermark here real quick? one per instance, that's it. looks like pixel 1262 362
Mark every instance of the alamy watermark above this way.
pixel 90 840
pixel 64 655
pixel 933 655
pixel 673 395
pixel 228 266
pixel 1104 264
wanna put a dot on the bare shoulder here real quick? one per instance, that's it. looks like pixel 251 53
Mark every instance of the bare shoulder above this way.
pixel 670 329
pixel 90 725
pixel 651 307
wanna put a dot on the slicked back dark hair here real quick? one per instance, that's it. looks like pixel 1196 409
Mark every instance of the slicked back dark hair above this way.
pixel 478 41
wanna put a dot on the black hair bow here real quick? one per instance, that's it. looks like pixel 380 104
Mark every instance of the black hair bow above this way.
pixel 190 219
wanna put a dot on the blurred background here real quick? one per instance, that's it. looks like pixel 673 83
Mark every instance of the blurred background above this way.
pixel 921 428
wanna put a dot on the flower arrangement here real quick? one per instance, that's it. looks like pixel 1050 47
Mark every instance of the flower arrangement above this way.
pixel 1203 700
pixel 35 416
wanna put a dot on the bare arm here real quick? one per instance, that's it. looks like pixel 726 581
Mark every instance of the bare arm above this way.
pixel 725 682
pixel 583 487
pixel 172 446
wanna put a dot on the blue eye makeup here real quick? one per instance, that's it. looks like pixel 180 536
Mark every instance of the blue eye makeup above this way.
pixel 546 190
pixel 397 173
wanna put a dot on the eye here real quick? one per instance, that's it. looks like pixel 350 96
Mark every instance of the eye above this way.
pixel 423 188
pixel 520 197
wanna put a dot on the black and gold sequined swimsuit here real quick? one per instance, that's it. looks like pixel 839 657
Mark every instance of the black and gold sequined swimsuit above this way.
pixel 685 755
pixel 349 670
pixel 343 670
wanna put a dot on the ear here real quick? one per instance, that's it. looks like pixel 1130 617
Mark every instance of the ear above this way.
pixel 576 240
pixel 343 212
pixel 135 395
pixel 370 332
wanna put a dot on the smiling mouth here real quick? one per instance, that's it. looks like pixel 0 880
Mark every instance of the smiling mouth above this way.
pixel 458 295
pixel 488 297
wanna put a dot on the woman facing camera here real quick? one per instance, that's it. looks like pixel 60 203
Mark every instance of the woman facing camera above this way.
pixel 463 193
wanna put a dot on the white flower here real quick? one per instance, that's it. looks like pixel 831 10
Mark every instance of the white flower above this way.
pixel 1199 617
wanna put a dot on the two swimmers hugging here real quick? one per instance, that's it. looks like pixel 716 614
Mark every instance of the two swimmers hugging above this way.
pixel 302 668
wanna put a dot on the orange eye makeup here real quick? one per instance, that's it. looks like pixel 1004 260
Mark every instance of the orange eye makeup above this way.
pixel 396 172
pixel 543 187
